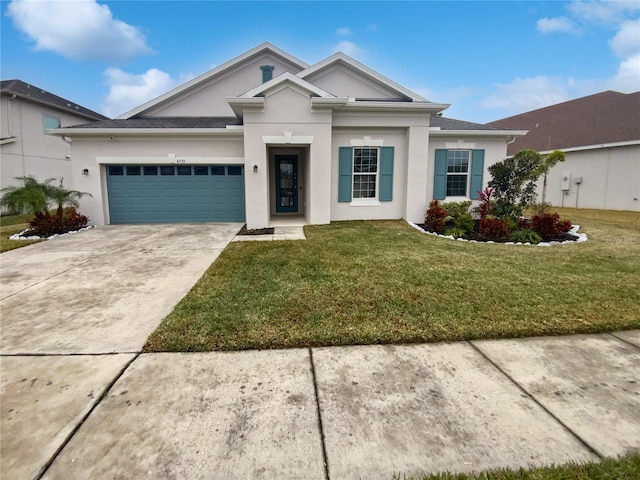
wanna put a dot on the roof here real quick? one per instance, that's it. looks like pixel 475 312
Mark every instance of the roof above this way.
pixel 163 122
pixel 600 119
pixel 452 124
pixel 38 95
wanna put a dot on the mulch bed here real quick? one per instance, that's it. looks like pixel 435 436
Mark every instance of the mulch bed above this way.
pixel 476 236
pixel 255 231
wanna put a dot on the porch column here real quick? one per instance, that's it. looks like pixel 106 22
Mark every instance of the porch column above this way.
pixel 417 173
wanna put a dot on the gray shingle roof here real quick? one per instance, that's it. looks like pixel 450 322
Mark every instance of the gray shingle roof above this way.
pixel 453 124
pixel 38 95
pixel 606 117
pixel 165 122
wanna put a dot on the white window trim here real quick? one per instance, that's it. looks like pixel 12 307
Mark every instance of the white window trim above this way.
pixel 467 173
pixel 365 202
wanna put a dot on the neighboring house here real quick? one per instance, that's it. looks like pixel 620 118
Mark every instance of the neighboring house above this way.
pixel 266 135
pixel 28 114
pixel 600 136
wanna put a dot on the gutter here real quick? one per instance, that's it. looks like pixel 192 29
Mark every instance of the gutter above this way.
pixel 129 132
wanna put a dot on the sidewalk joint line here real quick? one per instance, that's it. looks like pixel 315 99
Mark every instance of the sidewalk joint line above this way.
pixel 623 340
pixel 322 438
pixel 75 429
pixel 549 412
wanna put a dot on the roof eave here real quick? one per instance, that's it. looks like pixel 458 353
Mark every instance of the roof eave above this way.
pixel 477 133
pixel 72 111
pixel 108 132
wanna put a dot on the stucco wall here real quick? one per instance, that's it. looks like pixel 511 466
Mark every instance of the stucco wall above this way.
pixel 343 81
pixel 495 150
pixel 610 179
pixel 396 138
pixel 287 110
pixel 88 152
pixel 34 153
pixel 209 99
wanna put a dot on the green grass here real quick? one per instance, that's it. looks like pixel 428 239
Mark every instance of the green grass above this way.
pixel 624 468
pixel 10 225
pixel 365 282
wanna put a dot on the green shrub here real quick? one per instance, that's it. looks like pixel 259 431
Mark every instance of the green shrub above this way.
pixel 525 235
pixel 456 232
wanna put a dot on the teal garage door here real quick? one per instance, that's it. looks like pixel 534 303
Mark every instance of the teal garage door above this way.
pixel 175 193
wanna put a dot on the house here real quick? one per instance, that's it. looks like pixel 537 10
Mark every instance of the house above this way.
pixel 29 113
pixel 600 136
pixel 266 136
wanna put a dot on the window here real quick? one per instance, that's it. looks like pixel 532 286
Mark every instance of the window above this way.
pixel 457 172
pixel 233 170
pixel 133 170
pixel 152 170
pixel 365 172
pixel 50 122
pixel 200 170
pixel 217 170
pixel 116 170
pixel 184 170
pixel 167 170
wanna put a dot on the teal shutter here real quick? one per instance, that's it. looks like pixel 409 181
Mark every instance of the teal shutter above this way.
pixel 477 170
pixel 440 175
pixel 345 173
pixel 386 174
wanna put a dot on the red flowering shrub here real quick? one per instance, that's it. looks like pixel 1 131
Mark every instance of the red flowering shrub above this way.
pixel 436 217
pixel 493 229
pixel 549 226
pixel 73 220
pixel 44 224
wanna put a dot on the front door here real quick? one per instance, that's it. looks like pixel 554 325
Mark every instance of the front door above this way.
pixel 286 183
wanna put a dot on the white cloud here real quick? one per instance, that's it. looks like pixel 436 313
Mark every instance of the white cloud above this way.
pixel 344 31
pixel 348 48
pixel 524 94
pixel 627 41
pixel 603 12
pixel 627 78
pixel 77 29
pixel 558 24
pixel 128 90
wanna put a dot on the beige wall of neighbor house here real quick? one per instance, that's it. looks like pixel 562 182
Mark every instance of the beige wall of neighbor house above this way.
pixel 610 179
pixel 33 152
pixel 208 99
pixel 94 154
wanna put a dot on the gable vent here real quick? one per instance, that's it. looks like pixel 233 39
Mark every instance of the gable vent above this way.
pixel 267 72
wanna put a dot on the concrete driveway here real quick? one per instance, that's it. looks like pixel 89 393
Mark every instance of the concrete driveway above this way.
pixel 75 312
pixel 103 290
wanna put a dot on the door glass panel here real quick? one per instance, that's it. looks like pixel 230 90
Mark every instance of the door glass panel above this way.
pixel 287 183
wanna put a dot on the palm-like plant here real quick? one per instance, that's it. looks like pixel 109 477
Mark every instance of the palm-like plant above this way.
pixel 61 197
pixel 35 197
pixel 30 197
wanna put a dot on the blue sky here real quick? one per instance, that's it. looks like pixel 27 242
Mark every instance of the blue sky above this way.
pixel 488 59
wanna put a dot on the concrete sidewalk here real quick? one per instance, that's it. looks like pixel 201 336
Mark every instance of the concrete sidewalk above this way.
pixel 325 413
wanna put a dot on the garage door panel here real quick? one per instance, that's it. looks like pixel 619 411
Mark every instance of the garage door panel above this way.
pixel 156 194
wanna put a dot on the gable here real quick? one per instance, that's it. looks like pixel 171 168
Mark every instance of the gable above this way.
pixel 341 80
pixel 207 99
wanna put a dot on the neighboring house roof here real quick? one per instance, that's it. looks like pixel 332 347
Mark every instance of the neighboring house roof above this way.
pixel 37 95
pixel 264 47
pixel 600 119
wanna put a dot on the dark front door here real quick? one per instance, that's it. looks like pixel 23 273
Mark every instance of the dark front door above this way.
pixel 286 183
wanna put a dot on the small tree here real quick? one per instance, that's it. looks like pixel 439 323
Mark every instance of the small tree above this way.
pixel 546 164
pixel 61 197
pixel 514 183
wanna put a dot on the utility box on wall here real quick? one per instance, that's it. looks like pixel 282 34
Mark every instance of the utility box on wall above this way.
pixel 565 182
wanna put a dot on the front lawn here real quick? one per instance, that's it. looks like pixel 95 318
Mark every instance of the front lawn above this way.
pixel 10 225
pixel 623 468
pixel 365 282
